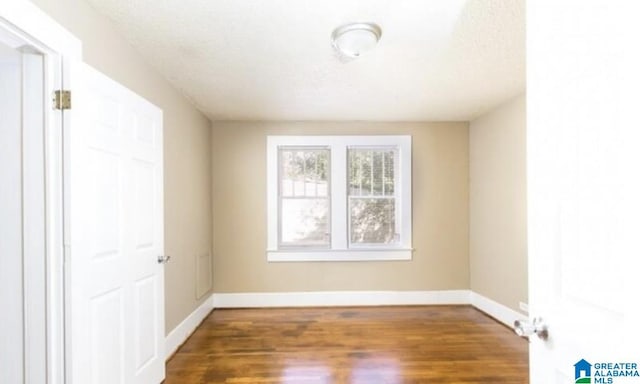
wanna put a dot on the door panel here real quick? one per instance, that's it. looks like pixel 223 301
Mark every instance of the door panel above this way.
pixel 145 299
pixel 105 201
pixel 107 334
pixel 583 188
pixel 116 233
pixel 143 192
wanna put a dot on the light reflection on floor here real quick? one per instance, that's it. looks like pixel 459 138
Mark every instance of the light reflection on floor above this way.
pixel 310 373
pixel 378 370
pixel 375 370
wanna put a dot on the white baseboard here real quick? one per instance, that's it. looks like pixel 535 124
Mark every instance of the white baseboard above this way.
pixel 496 310
pixel 338 298
pixel 179 334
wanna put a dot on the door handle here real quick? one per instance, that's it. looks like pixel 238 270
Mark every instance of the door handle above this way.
pixel 525 328
pixel 163 259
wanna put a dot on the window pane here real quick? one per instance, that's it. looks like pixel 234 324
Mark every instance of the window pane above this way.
pixel 354 173
pixel 304 172
pixel 388 169
pixel 305 221
pixel 320 173
pixel 365 178
pixel 310 174
pixel 297 165
pixel 287 175
pixel 372 220
pixel 377 170
pixel 371 172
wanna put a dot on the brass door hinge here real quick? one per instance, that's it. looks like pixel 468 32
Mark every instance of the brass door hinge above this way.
pixel 62 100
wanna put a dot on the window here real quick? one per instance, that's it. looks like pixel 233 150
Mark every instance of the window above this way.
pixel 338 198
pixel 304 201
pixel 372 199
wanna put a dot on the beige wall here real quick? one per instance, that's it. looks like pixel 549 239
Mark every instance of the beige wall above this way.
pixel 440 213
pixel 498 204
pixel 187 153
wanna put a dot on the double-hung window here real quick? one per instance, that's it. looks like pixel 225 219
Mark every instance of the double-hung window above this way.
pixel 338 198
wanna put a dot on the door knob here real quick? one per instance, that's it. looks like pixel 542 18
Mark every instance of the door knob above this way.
pixel 163 259
pixel 525 328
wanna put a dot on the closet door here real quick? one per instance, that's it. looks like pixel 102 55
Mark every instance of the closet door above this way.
pixel 115 224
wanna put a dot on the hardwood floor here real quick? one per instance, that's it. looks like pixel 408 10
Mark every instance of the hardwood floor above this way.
pixel 363 345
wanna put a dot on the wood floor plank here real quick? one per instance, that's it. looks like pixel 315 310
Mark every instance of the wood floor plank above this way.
pixel 363 345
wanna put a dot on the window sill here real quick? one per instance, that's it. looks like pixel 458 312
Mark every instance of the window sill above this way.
pixel 340 255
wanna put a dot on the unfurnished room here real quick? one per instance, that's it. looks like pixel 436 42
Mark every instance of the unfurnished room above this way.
pixel 319 192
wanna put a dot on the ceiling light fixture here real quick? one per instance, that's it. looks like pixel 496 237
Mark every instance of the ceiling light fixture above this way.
pixel 352 40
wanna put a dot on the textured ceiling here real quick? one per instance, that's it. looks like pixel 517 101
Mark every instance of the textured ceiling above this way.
pixel 273 59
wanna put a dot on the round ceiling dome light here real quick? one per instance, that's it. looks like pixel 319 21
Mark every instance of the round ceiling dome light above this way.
pixel 354 39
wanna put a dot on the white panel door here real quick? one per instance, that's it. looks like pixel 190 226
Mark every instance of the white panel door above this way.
pixel 584 190
pixel 115 227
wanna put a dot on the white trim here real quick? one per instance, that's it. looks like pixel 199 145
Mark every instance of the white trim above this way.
pixel 500 312
pixel 494 309
pixel 181 333
pixel 31 23
pixel 339 298
pixel 340 255
pixel 339 221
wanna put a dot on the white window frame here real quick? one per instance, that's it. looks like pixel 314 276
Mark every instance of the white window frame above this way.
pixel 340 249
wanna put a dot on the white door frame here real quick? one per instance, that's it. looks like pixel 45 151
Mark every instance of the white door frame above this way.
pixel 31 25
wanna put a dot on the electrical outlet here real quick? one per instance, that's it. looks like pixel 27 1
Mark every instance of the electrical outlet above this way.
pixel 524 307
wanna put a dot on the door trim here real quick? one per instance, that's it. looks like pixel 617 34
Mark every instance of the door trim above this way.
pixel 31 25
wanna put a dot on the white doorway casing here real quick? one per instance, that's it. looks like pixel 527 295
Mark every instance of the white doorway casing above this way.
pixel 13 253
pixel 29 26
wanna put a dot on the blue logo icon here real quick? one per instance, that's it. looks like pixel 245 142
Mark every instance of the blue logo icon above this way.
pixel 583 371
